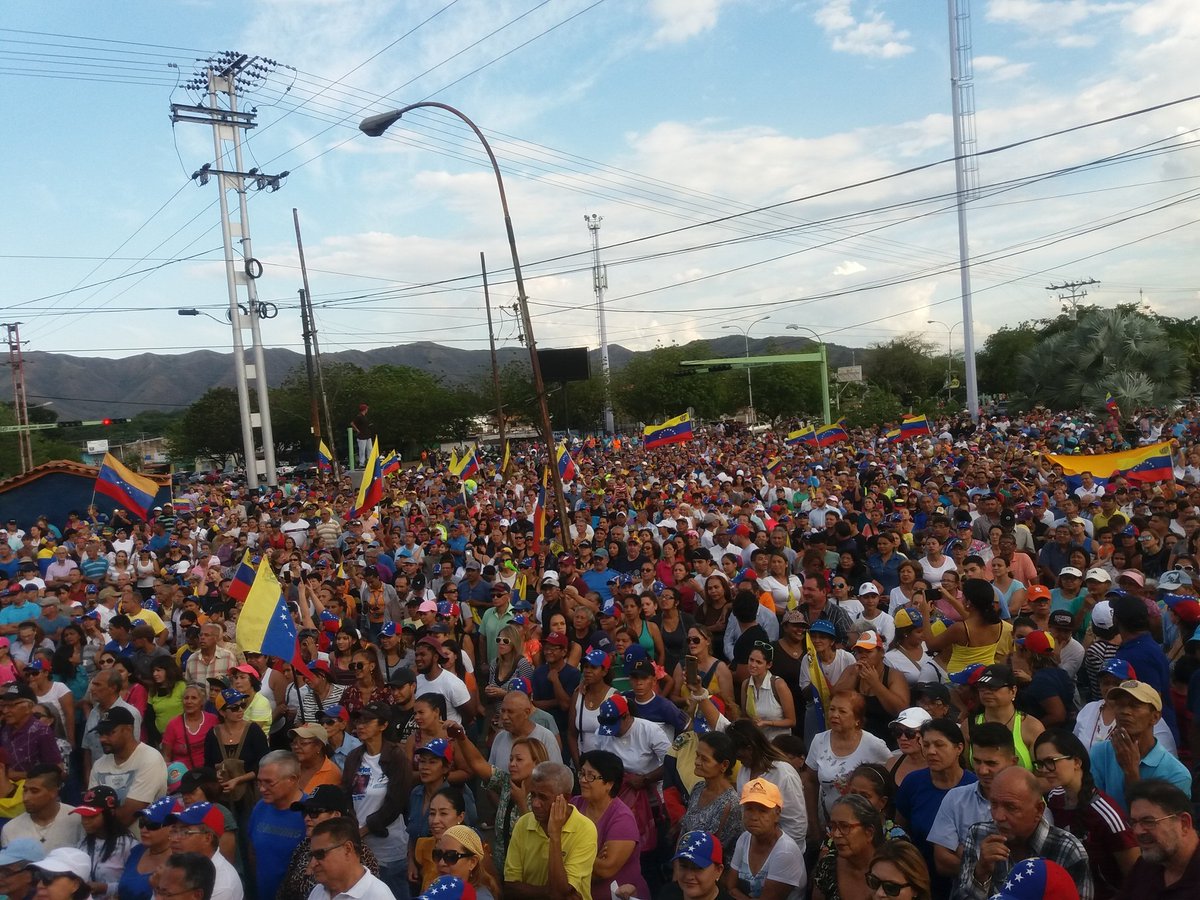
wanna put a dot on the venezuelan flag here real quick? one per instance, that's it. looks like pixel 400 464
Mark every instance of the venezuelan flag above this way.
pixel 894 435
pixel 539 515
pixel 673 431
pixel 135 492
pixel 915 426
pixel 324 457
pixel 816 677
pixel 1110 403
pixel 243 579
pixel 775 464
pixel 265 625
pixel 466 467
pixel 1149 463
pixel 802 436
pixel 507 461
pixel 831 434
pixel 566 465
pixel 370 491
pixel 391 463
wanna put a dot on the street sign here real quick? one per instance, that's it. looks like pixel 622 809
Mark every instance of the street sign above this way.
pixel 849 374
pixel 97 446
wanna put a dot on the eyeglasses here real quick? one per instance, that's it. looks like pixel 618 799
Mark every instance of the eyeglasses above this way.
pixel 184 831
pixel 357 666
pixel 1150 824
pixel 147 825
pixel 320 853
pixel 843 827
pixel 1047 763
pixel 450 857
pixel 839 584
pixel 891 888
pixel 451 591
pixel 1180 567
pixel 588 777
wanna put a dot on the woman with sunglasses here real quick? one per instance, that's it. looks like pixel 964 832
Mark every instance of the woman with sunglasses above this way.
pixel 1064 766
pixel 446 809
pixel 905 730
pixel 461 853
pixel 712 675
pixel 897 872
pixel 855 833
pixel 368 684
pixel 236 740
pixel 151 852
pixel 764 699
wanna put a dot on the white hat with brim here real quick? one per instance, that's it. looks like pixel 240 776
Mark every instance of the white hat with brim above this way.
pixel 67 861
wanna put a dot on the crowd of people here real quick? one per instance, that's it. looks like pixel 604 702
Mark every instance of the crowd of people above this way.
pixel 743 670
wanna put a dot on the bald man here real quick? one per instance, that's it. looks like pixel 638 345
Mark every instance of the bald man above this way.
pixel 1017 832
pixel 516 721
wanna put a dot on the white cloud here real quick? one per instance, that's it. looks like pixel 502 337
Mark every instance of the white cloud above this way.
pixel 999 68
pixel 1067 23
pixel 681 20
pixel 849 267
pixel 869 34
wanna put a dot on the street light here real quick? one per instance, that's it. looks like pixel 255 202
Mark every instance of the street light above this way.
pixel 751 419
pixel 824 371
pixel 949 355
pixel 374 126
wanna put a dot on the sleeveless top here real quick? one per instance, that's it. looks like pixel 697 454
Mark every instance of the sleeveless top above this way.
pixel 587 722
pixel 647 641
pixel 761 703
pixel 1024 757
pixel 962 655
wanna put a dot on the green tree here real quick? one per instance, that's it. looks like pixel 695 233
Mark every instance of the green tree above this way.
pixel 1120 351
pixel 905 367
pixel 210 429
pixel 994 361
pixel 786 389
pixel 652 386
pixel 47 445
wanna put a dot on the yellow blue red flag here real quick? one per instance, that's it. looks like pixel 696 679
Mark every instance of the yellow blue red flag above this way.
pixel 120 483
pixel 1149 463
pixel 673 431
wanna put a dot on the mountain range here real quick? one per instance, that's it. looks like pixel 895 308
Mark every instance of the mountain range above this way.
pixel 79 387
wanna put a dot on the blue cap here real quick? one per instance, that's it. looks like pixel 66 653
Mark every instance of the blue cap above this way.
pixel 597 658
pixel 388 629
pixel 156 813
pixel 522 606
pixel 522 684
pixel 969 675
pixel 635 653
pixel 823 626
pixel 439 747
pixel 1119 668
pixel 27 850
pixel 700 848
pixel 232 695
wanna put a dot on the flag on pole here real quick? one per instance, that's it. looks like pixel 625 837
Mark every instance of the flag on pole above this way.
pixel 265 625
pixel 391 463
pixel 243 579
pixel 1110 403
pixel 370 491
pixel 539 514
pixel 466 467
pixel 816 677
pixel 775 464
pixel 673 431
pixel 915 426
pixel 324 457
pixel 117 482
pixel 831 434
pixel 806 435
pixel 507 461
pixel 894 434
pixel 566 465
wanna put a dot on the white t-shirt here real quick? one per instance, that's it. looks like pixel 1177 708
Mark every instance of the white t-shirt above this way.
pixel 883 624
pixel 143 777
pixel 784 864
pixel 842 660
pixel 1091 729
pixel 368 792
pixel 53 697
pixel 793 818
pixel 1070 657
pixel 65 831
pixel 834 771
pixel 905 666
pixel 933 574
pixel 852 607
pixel 642 748
pixel 228 885
pixel 449 686
pixel 502 746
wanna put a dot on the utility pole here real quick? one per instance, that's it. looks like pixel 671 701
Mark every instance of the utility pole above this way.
pixel 227 74
pixel 20 405
pixel 1070 295
pixel 310 329
pixel 487 304
pixel 600 285
pixel 966 175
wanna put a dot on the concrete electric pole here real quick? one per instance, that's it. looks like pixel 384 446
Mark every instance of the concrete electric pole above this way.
pixel 225 75
pixel 600 285
pixel 1070 295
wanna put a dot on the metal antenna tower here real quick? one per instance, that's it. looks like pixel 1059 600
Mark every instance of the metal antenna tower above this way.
pixel 966 174
pixel 600 285
pixel 226 75
pixel 1070 294
pixel 20 405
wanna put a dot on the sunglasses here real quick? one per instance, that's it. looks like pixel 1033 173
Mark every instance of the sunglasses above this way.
pixel 906 733
pixel 695 640
pixel 891 888
pixel 235 707
pixel 320 853
pixel 450 857
pixel 357 666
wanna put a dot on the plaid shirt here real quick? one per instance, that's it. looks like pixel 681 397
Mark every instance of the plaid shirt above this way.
pixel 1046 842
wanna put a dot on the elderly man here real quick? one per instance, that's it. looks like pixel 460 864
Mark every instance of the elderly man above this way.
pixel 198 829
pixel 1016 832
pixel 211 660
pixel 335 863
pixel 29 740
pixel 16 868
pixel 1132 752
pixel 135 771
pixel 516 712
pixel 275 829
pixel 553 846
pixel 185 876
pixel 1162 819
pixel 106 694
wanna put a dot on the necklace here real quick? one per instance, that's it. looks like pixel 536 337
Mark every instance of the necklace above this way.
pixel 196 730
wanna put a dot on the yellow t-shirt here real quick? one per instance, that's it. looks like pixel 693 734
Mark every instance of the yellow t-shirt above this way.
pixel 151 618
pixel 528 857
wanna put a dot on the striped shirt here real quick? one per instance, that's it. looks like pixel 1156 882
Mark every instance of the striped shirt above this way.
pixel 1101 828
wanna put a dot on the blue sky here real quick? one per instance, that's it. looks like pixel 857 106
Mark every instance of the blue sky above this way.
pixel 659 115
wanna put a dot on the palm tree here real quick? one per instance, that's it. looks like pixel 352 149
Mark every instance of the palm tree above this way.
pixel 1118 351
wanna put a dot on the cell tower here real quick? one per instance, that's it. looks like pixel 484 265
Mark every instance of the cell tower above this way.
pixel 966 174
pixel 20 405
pixel 600 285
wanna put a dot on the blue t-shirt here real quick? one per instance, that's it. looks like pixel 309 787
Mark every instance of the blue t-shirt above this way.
pixel 918 801
pixel 11 568
pixel 1148 660
pixel 544 690
pixel 598 582
pixel 20 612
pixel 274 834
pixel 660 710
pixel 1158 763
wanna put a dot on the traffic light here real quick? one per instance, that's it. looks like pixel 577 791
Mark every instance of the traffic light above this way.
pixel 113 421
